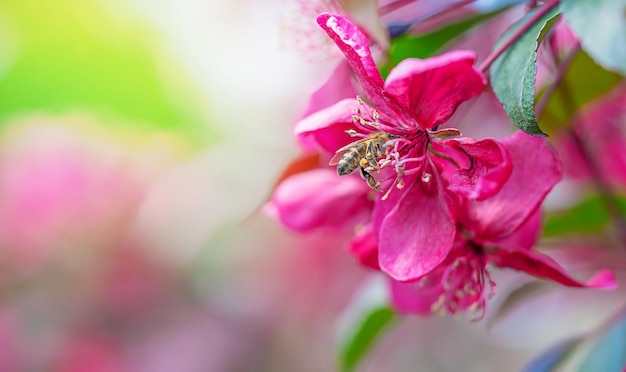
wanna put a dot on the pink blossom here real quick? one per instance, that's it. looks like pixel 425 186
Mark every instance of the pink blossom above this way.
pixel 318 198
pixel 501 231
pixel 91 353
pixel 600 126
pixel 58 190
pixel 562 41
pixel 427 168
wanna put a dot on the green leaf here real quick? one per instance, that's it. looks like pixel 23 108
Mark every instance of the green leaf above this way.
pixel 609 352
pixel 583 82
pixel 600 25
pixel 588 217
pixel 427 45
pixel 79 55
pixel 513 73
pixel 367 317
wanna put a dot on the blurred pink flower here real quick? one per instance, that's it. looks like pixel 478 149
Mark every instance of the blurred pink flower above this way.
pixel 132 281
pixel 57 192
pixel 430 165
pixel 500 230
pixel 90 353
pixel 601 126
pixel 10 339
pixel 562 40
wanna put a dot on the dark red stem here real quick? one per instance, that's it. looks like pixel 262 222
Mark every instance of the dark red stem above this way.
pixel 517 34
pixel 400 3
pixel 395 6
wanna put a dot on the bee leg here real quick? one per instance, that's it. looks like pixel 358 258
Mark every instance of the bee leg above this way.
pixel 380 150
pixel 369 151
pixel 373 165
pixel 370 180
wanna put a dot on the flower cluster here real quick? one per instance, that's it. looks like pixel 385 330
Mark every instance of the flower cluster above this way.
pixel 434 208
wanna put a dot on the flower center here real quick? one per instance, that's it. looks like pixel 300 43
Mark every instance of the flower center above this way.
pixel 403 151
pixel 465 282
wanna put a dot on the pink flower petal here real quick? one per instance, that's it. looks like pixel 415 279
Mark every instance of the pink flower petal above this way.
pixel 355 46
pixel 337 87
pixel 382 208
pixel 431 89
pixel 309 200
pixel 364 246
pixel 407 298
pixel 536 170
pixel 526 236
pixel 488 168
pixel 574 162
pixel 542 266
pixel 328 126
pixel 562 39
pixel 601 127
pixel 417 234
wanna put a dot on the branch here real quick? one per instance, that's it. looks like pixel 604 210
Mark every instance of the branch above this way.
pixel 517 34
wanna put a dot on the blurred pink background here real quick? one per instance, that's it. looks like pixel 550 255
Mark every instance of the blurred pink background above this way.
pixel 138 140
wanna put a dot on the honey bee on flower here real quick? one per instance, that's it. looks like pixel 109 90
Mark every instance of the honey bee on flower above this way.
pixel 458 201
pixel 364 155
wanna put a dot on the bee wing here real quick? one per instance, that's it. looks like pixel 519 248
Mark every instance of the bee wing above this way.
pixel 338 155
pixel 335 159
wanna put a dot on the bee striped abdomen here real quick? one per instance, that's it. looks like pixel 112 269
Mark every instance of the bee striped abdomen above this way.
pixel 363 155
pixel 349 162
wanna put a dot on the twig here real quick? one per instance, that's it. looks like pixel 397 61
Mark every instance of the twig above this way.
pixel 394 6
pixel 517 34
pixel 443 11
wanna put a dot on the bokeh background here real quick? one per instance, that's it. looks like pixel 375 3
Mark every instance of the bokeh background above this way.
pixel 138 141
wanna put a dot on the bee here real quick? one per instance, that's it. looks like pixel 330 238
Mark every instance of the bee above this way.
pixel 363 155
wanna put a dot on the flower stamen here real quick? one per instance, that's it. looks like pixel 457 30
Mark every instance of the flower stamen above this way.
pixel 465 281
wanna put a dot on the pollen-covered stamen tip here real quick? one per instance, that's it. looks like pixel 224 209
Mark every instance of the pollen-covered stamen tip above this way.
pixel 352 132
pixel 393 159
pixel 367 117
pixel 399 175
pixel 364 124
